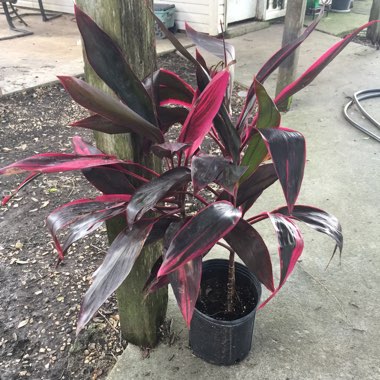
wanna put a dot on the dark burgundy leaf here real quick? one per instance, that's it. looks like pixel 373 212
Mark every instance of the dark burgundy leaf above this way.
pixel 57 162
pixel 27 180
pixel 213 45
pixel 168 85
pixel 171 115
pixel 206 169
pixel 168 149
pixel 110 108
pixel 89 223
pixel 159 229
pixel 152 192
pixel 181 49
pixel 107 179
pixel 115 268
pixel 202 72
pixel 250 190
pixel 100 124
pixel 152 279
pixel 227 133
pixel 202 113
pixel 109 63
pixel 185 282
pixel 218 47
pixel 198 235
pixel 201 60
pixel 250 247
pixel 288 151
pixel 290 248
pixel 317 219
pixel 308 76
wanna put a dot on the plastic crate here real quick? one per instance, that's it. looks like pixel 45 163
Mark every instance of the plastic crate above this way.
pixel 165 12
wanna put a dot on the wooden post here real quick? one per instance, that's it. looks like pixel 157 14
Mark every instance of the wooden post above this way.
pixel 373 32
pixel 294 19
pixel 131 26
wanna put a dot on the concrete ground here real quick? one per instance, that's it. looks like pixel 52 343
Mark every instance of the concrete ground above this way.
pixel 323 324
pixel 340 24
pixel 38 59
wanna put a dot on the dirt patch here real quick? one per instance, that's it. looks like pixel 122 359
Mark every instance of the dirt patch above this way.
pixel 40 301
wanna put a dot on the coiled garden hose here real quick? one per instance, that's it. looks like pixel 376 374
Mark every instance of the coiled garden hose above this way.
pixel 358 97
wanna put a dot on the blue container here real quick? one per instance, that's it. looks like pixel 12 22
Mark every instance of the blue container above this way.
pixel 165 12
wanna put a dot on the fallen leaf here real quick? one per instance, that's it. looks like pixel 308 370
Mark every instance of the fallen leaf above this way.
pixel 22 262
pixel 23 323
pixel 19 245
pixel 44 204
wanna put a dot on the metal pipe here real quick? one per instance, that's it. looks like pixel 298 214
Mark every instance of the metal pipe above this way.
pixel 358 97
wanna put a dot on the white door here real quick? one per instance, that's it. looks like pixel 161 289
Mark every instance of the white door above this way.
pixel 270 9
pixel 238 10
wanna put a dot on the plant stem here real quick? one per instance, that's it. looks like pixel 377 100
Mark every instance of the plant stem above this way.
pixel 231 283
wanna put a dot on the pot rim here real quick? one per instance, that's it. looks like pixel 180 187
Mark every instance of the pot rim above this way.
pixel 256 284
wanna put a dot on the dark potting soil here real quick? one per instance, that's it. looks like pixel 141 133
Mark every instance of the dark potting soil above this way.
pixel 212 300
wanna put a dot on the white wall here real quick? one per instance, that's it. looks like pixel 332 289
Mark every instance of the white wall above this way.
pixel 202 15
pixel 66 6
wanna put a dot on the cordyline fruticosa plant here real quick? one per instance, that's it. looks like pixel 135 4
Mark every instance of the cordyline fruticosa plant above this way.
pixel 199 199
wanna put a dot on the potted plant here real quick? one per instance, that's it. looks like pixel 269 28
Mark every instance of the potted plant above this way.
pixel 199 199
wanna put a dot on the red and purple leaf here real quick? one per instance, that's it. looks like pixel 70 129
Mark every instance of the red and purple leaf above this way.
pixel 110 108
pixel 198 235
pixel 309 75
pixel 202 113
pixel 272 64
pixel 109 63
pixel 146 196
pixel 116 266
pixel 169 88
pixel 317 219
pixel 250 247
pixel 108 179
pixel 57 162
pixel 89 223
pixel 290 246
pixel 185 282
pixel 168 149
pixel 74 211
pixel 288 151
pixel 84 148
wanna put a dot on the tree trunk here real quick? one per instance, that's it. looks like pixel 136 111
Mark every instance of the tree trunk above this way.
pixel 131 26
pixel 294 18
pixel 373 32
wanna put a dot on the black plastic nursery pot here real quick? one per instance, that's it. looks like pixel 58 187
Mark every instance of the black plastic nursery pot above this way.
pixel 218 341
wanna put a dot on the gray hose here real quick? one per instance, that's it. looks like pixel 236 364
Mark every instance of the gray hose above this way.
pixel 358 97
